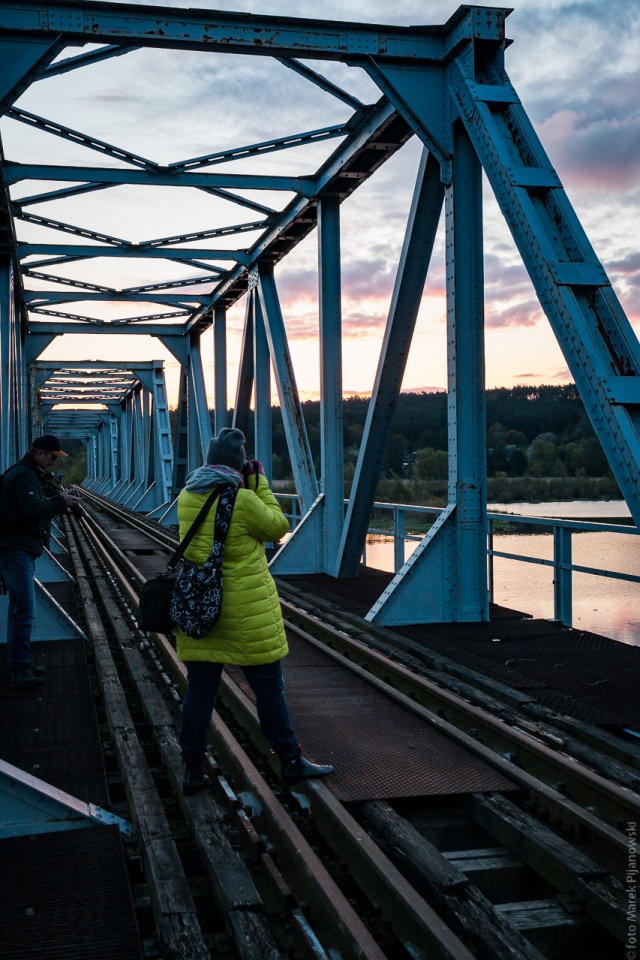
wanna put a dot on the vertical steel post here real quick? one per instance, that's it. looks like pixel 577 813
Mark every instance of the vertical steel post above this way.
pixel 398 539
pixel 181 438
pixel 242 406
pixel 562 582
pixel 162 431
pixel 292 418
pixel 114 460
pixel 125 444
pixel 140 443
pixel 220 368
pixel 331 442
pixel 420 235
pixel 465 361
pixel 9 410
pixel 262 392
pixel 198 408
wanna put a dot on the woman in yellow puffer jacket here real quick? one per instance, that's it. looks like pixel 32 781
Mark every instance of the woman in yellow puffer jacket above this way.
pixel 250 631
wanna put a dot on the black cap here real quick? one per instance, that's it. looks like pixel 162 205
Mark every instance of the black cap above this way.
pixel 50 444
pixel 228 448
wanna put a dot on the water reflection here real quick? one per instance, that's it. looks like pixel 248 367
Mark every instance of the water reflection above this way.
pixel 601 605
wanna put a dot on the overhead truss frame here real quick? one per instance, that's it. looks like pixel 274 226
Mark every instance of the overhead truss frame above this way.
pixel 446 84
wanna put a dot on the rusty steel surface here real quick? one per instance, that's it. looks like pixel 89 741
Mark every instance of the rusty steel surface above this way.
pixel 584 675
pixel 378 749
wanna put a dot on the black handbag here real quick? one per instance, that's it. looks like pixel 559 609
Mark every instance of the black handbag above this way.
pixel 154 602
pixel 196 601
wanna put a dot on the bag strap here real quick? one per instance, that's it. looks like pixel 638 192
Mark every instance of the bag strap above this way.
pixel 223 513
pixel 193 529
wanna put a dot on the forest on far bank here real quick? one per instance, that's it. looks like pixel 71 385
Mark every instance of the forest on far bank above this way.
pixel 531 431
pixel 540 445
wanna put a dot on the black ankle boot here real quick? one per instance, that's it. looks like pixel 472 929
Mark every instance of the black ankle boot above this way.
pixel 195 779
pixel 301 769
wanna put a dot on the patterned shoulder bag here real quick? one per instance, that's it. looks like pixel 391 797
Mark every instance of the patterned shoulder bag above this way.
pixel 196 600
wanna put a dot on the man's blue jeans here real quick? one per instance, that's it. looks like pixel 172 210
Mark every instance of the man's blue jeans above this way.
pixel 18 569
pixel 267 683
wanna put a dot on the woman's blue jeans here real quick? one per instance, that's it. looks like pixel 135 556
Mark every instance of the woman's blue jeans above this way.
pixel 18 570
pixel 267 683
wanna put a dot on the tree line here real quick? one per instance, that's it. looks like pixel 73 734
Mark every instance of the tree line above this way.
pixel 531 431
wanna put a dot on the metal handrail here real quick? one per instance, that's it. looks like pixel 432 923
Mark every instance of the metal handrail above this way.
pixel 561 529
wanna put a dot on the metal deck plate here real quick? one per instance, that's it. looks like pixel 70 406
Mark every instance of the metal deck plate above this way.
pixel 52 731
pixel 64 896
pixel 378 749
pixel 584 675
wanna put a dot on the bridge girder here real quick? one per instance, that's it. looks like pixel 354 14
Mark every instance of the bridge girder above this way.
pixel 446 84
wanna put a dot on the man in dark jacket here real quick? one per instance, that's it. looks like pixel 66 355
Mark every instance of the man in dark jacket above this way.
pixel 27 507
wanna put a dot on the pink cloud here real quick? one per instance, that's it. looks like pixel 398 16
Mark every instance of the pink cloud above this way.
pixel 527 313
pixel 576 146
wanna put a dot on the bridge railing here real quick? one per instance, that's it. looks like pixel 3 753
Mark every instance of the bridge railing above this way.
pixel 561 530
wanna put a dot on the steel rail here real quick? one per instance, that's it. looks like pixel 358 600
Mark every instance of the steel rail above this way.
pixel 566 788
pixel 557 729
pixel 298 863
pixel 378 878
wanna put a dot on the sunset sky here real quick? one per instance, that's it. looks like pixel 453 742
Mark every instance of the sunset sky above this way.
pixel 575 66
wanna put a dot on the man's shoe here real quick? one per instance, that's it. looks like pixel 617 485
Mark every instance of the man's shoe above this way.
pixel 25 678
pixel 38 668
pixel 301 769
pixel 195 779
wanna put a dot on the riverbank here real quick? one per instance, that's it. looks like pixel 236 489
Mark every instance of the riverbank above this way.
pixel 504 490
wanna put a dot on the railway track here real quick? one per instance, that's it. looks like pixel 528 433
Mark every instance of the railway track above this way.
pixel 536 871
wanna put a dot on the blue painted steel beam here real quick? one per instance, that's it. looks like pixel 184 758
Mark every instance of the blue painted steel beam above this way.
pixel 29 806
pixel 292 416
pixel 596 338
pixel 76 136
pixel 467 415
pixel 265 146
pixel 244 385
pixel 106 324
pixel 42 297
pixel 331 440
pixel 22 60
pixel 62 194
pixel 70 228
pixel 206 234
pixel 262 443
pixel 13 406
pixel 78 284
pixel 85 60
pixel 373 127
pixel 198 405
pixel 220 367
pixel 42 327
pixel 152 253
pixel 322 82
pixel 15 172
pixel 248 33
pixel 415 257
pixel 168 284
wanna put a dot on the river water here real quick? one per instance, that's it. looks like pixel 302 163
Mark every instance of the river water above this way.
pixel 600 604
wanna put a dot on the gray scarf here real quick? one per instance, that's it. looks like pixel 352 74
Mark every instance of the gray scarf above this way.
pixel 205 478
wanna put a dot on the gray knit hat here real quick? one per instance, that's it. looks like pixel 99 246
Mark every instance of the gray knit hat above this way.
pixel 228 448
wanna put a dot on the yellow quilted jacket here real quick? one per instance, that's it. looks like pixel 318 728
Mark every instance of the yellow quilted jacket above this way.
pixel 250 628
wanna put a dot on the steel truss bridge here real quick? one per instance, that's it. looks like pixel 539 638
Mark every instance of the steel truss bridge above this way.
pixel 446 85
